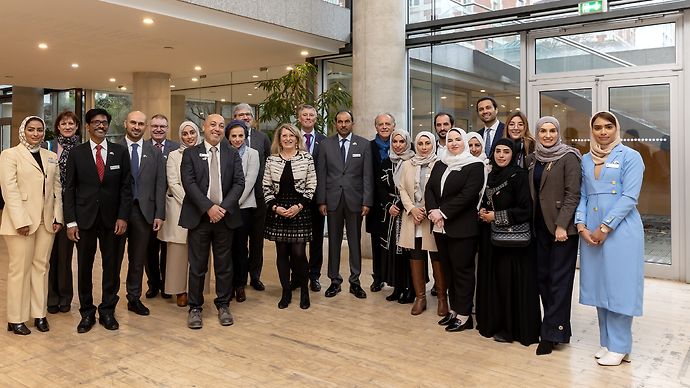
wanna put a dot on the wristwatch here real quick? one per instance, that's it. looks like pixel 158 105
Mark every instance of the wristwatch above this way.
pixel 604 229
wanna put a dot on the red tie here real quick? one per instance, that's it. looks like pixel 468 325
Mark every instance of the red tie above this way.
pixel 100 166
pixel 159 146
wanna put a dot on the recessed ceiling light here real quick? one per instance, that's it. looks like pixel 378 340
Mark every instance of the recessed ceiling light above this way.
pixel 256 87
pixel 172 86
pixel 42 46
pixel 412 108
pixel 482 91
pixel 517 97
pixel 517 108
pixel 75 65
pixel 112 80
pixel 194 79
pixel 222 100
pixel 249 94
pixel 443 97
pixel 122 87
pixel 255 76
pixel 289 68
pixel 304 53
pixel 197 67
pixel 148 21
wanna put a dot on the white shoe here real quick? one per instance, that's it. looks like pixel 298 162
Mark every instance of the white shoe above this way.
pixel 601 352
pixel 613 359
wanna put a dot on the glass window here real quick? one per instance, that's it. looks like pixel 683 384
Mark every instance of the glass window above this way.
pixel 118 105
pixel 573 109
pixel 626 47
pixel 424 10
pixel 197 111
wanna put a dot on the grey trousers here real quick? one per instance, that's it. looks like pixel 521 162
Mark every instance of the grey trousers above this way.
pixel 353 223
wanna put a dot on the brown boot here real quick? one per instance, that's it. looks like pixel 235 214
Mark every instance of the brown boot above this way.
pixel 441 288
pixel 182 299
pixel 417 267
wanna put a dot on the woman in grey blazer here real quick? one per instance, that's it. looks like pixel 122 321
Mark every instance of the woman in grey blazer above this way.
pixel 554 173
pixel 236 131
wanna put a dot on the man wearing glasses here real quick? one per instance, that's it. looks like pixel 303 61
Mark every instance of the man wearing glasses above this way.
pixel 97 201
pixel 157 252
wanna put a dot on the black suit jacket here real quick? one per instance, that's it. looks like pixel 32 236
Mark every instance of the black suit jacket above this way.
pixel 85 196
pixel 497 135
pixel 152 182
pixel 459 199
pixel 375 216
pixel 318 138
pixel 195 181
pixel 262 144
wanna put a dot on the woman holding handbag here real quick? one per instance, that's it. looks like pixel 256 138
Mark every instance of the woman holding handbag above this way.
pixel 554 174
pixel 507 301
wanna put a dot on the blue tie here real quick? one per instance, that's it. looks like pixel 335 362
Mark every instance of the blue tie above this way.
pixel 342 149
pixel 135 168
pixel 487 146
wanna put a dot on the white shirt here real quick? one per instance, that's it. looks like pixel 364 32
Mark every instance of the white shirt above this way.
pixel 104 156
pixel 208 159
pixel 310 149
pixel 347 144
pixel 139 149
pixel 489 133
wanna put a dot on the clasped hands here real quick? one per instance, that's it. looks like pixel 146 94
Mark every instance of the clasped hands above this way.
pixel 290 212
pixel 436 217
pixel 486 215
pixel 593 238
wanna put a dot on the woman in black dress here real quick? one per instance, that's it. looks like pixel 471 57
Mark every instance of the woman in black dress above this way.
pixel 452 199
pixel 507 301
pixel 289 183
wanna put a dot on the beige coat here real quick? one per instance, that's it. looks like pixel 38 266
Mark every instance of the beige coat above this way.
pixel 23 188
pixel 407 229
pixel 171 231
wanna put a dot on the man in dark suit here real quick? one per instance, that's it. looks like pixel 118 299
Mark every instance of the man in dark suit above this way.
pixel 148 204
pixel 97 202
pixel 260 142
pixel 487 109
pixel 213 181
pixel 306 115
pixel 443 122
pixel 155 265
pixel 344 193
pixel 385 125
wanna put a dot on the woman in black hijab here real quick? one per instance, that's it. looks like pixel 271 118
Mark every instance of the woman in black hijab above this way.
pixel 507 301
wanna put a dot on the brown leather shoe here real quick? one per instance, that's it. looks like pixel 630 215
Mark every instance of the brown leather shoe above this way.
pixel 182 299
pixel 240 296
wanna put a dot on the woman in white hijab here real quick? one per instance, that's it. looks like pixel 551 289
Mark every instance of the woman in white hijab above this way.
pixel 453 194
pixel 30 180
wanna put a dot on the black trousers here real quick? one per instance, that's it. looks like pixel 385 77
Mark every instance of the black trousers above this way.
pixel 240 250
pixel 316 244
pixel 291 256
pixel 200 240
pixel 457 258
pixel 376 257
pixel 556 262
pixel 112 249
pixel 256 240
pixel 156 262
pixel 60 287
pixel 138 235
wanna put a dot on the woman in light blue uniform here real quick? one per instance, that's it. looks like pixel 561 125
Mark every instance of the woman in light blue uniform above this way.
pixel 611 237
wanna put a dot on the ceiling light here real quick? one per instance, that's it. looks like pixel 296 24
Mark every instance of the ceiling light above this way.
pixel 249 94
pixel 412 108
pixel 482 91
pixel 289 68
pixel 255 76
pixel 172 86
pixel 122 87
pixel 112 80
pixel 194 79
pixel 148 21
pixel 443 97
pixel 222 100
pixel 42 46
pixel 197 68
pixel 517 97
pixel 304 53
pixel 75 65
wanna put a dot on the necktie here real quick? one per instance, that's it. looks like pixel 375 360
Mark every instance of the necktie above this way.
pixel 100 166
pixel 342 149
pixel 487 143
pixel 308 137
pixel 215 180
pixel 135 168
pixel 159 146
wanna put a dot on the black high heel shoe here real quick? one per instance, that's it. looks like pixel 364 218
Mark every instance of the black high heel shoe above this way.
pixel 18 328
pixel 41 324
pixel 304 298
pixel 397 293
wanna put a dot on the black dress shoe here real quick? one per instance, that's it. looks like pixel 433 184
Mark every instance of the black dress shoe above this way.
pixel 455 325
pixel 315 285
pixel 376 286
pixel 407 296
pixel 109 322
pixel 53 309
pixel 18 328
pixel 434 292
pixel 257 285
pixel 86 323
pixel 41 324
pixel 544 347
pixel 240 295
pixel 304 299
pixel 447 319
pixel 65 308
pixel 357 291
pixel 165 296
pixel 333 290
pixel 138 308
pixel 151 293
pixel 502 337
pixel 285 299
pixel 397 293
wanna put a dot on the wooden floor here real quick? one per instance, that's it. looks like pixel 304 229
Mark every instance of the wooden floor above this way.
pixel 341 341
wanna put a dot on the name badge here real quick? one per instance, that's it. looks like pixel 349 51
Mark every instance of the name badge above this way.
pixel 115 167
pixel 356 155
pixel 615 164
pixel 52 161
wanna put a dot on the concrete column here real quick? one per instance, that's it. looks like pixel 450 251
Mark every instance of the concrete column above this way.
pixel 178 106
pixel 151 93
pixel 25 102
pixel 379 63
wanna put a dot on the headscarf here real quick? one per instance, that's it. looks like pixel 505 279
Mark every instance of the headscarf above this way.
pixel 419 161
pixel 457 162
pixel 384 146
pixel 238 123
pixel 500 174
pixel 398 159
pixel 475 135
pixel 198 134
pixel 557 150
pixel 600 153
pixel 22 136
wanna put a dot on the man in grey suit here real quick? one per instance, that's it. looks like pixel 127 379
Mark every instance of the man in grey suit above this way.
pixel 260 142
pixel 345 195
pixel 155 265
pixel 148 205
pixel 213 182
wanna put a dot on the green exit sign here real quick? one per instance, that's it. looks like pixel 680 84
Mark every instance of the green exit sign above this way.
pixel 594 6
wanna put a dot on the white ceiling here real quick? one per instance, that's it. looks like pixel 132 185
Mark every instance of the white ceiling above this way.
pixel 109 40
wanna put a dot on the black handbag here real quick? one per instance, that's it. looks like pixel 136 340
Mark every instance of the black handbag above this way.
pixel 511 236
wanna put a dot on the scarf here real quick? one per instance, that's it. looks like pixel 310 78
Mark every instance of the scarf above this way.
pixel 384 146
pixel 67 143
pixel 557 150
pixel 184 124
pixel 475 135
pixel 242 149
pixel 464 158
pixel 601 153
pixel 22 136
pixel 500 174
pixel 398 159
pixel 419 162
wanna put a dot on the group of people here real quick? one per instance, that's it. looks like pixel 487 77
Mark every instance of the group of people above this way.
pixel 498 213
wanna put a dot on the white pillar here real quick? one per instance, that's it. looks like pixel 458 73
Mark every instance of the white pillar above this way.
pixel 151 94
pixel 25 102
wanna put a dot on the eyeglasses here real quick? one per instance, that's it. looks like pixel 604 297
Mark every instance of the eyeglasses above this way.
pixel 244 114
pixel 159 126
pixel 97 123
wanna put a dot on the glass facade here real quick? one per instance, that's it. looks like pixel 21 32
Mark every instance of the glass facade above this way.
pixel 118 105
